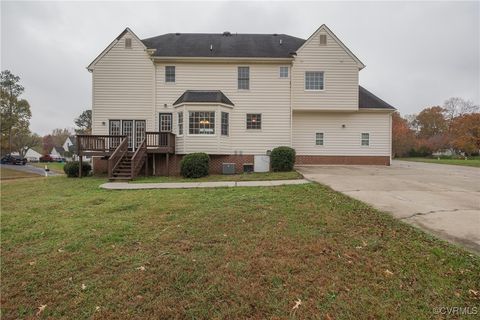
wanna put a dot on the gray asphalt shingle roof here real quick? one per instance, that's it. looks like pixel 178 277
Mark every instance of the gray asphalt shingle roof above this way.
pixel 233 45
pixel 367 100
pixel 216 96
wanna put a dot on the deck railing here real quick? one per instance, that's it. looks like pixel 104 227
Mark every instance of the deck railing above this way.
pixel 97 143
pixel 138 158
pixel 165 141
pixel 104 145
pixel 117 156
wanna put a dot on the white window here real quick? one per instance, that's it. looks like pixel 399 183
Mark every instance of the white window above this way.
pixel 244 78
pixel 225 124
pixel 254 121
pixel 170 74
pixel 180 123
pixel 283 72
pixel 201 122
pixel 128 43
pixel 319 138
pixel 314 80
pixel 365 139
pixel 165 122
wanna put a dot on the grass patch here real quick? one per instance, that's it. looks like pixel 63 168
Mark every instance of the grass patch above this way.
pixel 222 253
pixel 254 176
pixel 471 162
pixel 10 174
pixel 53 166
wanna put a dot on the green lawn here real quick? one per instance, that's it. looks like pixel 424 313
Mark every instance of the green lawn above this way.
pixel 472 162
pixel 222 253
pixel 218 177
pixel 53 166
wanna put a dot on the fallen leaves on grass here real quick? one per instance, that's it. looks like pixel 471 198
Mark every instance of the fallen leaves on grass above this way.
pixel 84 286
pixel 473 292
pixel 388 272
pixel 40 309
pixel 141 268
pixel 295 307
pixel 32 263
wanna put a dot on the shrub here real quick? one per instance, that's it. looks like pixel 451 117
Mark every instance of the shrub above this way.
pixel 282 159
pixel 195 165
pixel 72 168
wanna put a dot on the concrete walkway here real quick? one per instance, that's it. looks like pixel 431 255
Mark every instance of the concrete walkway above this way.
pixel 190 185
pixel 442 199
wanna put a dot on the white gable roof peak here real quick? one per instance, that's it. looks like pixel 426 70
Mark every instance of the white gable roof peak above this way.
pixel 324 28
pixel 113 43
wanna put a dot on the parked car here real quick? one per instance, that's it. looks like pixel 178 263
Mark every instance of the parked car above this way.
pixel 47 158
pixel 11 159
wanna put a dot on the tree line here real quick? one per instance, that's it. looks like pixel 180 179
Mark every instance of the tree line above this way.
pixel 453 127
pixel 15 113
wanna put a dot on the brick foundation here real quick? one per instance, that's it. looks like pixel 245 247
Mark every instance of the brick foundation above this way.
pixel 215 163
pixel 100 164
pixel 360 160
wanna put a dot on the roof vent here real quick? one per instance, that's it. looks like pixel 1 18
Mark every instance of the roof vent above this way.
pixel 323 39
pixel 281 41
pixel 211 47
pixel 275 34
pixel 177 34
pixel 227 33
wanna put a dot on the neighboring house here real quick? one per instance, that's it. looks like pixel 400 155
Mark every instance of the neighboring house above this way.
pixel 70 146
pixel 233 96
pixel 58 151
pixel 31 155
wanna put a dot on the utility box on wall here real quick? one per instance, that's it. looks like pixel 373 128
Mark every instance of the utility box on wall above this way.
pixel 228 168
pixel 261 163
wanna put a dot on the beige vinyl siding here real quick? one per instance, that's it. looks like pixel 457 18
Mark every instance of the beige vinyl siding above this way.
pixel 123 86
pixel 340 76
pixel 340 141
pixel 268 94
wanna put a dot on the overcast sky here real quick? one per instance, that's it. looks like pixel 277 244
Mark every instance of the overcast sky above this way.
pixel 417 54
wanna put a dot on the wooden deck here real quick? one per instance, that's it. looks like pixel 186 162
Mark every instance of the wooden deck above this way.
pixel 105 145
pixel 125 160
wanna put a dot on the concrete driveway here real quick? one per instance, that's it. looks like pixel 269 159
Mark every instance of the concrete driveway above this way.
pixel 442 199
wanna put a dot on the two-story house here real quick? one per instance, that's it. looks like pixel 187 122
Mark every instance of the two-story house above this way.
pixel 232 96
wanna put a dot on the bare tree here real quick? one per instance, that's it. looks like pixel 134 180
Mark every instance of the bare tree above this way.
pixel 456 106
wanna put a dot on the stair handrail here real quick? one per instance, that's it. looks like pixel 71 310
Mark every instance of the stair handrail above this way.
pixel 117 156
pixel 138 158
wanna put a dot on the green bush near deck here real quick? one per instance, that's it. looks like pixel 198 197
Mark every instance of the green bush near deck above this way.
pixel 195 165
pixel 282 159
pixel 71 169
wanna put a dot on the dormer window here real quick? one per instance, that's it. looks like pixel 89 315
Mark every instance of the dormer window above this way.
pixel 323 39
pixel 128 43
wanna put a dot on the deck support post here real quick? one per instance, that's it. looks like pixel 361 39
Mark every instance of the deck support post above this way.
pixel 146 164
pixel 154 173
pixel 168 171
pixel 80 166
